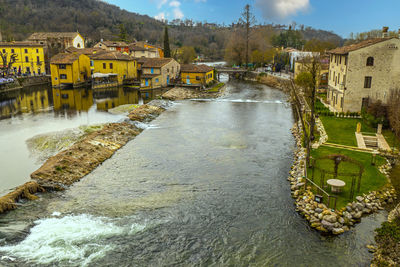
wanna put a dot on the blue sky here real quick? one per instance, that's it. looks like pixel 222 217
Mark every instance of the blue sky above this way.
pixel 340 16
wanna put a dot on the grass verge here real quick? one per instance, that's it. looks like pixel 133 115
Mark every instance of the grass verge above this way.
pixel 371 180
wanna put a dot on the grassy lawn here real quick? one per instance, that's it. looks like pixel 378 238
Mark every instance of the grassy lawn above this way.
pixel 371 180
pixel 341 130
pixel 391 139
pixel 216 88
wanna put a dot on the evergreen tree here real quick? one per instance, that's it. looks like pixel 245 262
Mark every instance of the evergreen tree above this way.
pixel 123 34
pixel 167 51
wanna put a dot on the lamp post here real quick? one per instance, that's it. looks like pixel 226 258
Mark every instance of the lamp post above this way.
pixel 373 159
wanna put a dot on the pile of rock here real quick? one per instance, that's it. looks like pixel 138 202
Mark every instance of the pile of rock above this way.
pixel 322 133
pixel 321 217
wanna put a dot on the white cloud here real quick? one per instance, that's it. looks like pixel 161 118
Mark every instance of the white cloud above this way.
pixel 281 9
pixel 160 3
pixel 178 14
pixel 160 16
pixel 175 3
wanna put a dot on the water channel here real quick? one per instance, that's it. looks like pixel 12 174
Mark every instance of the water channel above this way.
pixel 204 186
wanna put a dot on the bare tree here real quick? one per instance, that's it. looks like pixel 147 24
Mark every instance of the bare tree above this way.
pixel 6 66
pixel 247 20
pixel 309 80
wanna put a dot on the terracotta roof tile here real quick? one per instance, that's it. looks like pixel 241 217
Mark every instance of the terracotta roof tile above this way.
pixel 154 62
pixel 45 35
pixel 114 44
pixel 349 48
pixel 113 55
pixel 64 58
pixel 196 68
pixel 85 51
pixel 23 43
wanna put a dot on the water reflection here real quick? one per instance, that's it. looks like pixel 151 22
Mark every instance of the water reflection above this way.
pixel 69 102
pixel 26 100
pixel 29 112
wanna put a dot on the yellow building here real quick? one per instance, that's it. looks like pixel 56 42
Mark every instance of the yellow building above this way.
pixel 29 60
pixel 70 70
pixel 197 74
pixel 72 99
pixel 114 97
pixel 26 100
pixel 304 65
pixel 113 66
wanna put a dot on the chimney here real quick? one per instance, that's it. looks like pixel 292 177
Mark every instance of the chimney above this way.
pixel 385 32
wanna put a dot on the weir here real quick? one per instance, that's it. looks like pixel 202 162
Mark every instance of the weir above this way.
pixel 206 184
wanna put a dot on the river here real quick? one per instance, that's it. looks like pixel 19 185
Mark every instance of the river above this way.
pixel 205 185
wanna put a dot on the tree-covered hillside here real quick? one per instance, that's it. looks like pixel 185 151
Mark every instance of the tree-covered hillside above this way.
pixel 96 19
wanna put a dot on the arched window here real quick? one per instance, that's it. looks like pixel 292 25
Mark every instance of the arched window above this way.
pixel 370 61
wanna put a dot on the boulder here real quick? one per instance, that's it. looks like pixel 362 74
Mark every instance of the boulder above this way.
pixel 319 210
pixel 337 231
pixel 359 206
pixel 327 225
pixel 358 215
pixel 330 218
pixel 359 198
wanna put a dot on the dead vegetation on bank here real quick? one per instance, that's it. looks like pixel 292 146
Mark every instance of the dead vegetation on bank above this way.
pixel 26 191
pixel 72 164
pixel 81 158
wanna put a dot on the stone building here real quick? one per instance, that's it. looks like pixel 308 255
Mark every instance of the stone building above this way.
pixel 113 46
pixel 56 42
pixel 158 72
pixel 362 73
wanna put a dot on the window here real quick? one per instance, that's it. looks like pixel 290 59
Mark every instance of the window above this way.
pixel 345 60
pixel 4 50
pixel 104 65
pixel 335 59
pixel 157 80
pixel 111 66
pixel 197 78
pixel 370 61
pixel 338 78
pixel 367 82
pixel 38 59
pixel 37 50
pixel 26 50
pixel 12 51
pixel 152 70
pixel 91 63
pixel 26 59
pixel 167 70
pixel 63 67
pixel 64 96
pixel 340 60
pixel 63 76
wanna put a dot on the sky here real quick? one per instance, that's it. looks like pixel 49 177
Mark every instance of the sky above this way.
pixel 339 16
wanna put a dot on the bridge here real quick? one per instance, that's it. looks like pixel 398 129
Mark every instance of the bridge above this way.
pixel 231 72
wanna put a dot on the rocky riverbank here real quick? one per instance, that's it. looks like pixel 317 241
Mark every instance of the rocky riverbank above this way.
pixel 181 93
pixel 321 217
pixel 273 81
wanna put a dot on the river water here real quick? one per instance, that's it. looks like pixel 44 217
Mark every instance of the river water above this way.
pixel 39 110
pixel 205 185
